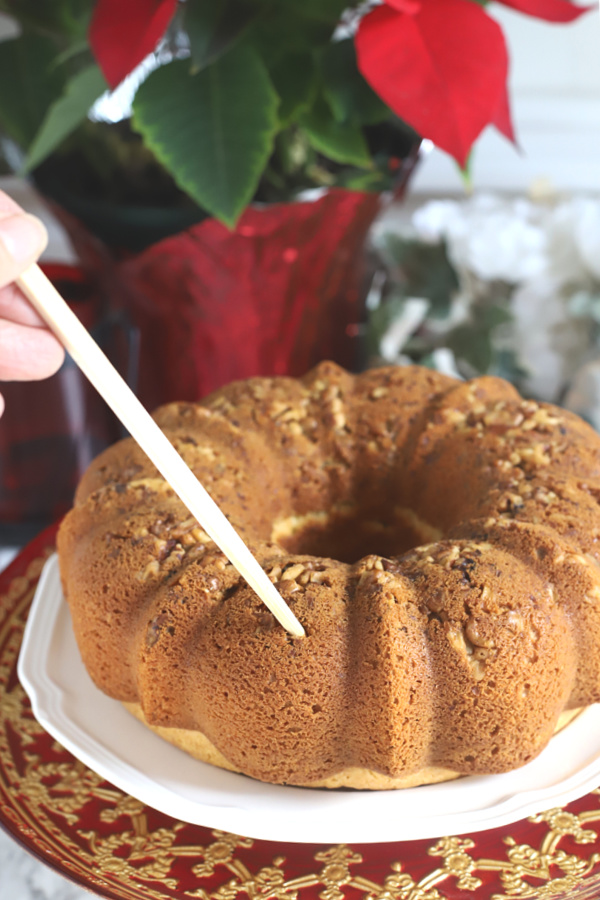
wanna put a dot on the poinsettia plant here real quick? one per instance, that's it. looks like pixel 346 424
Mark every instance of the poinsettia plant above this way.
pixel 256 99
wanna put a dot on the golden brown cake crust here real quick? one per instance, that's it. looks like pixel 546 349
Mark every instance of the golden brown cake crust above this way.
pixel 438 540
pixel 196 744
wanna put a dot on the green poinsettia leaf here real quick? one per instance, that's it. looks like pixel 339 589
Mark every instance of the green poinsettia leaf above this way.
pixel 66 113
pixel 213 131
pixel 294 79
pixel 30 82
pixel 285 31
pixel 345 89
pixel 213 27
pixel 67 18
pixel 75 49
pixel 342 142
pixel 329 11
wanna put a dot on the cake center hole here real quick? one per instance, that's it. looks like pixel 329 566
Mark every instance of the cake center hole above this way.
pixel 350 532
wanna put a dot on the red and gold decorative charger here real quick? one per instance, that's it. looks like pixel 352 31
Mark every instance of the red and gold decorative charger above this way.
pixel 112 844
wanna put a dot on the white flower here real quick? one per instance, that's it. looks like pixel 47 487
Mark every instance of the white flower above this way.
pixel 493 238
pixel 549 344
pixel 515 240
pixel 549 255
pixel 573 231
pixel 565 259
pixel 588 237
pixel 434 221
pixel 499 247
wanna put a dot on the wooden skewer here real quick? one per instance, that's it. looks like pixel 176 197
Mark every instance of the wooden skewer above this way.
pixel 121 399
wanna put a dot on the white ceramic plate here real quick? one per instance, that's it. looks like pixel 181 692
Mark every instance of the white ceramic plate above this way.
pixel 99 732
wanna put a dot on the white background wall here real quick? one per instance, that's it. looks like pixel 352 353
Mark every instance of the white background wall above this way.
pixel 555 91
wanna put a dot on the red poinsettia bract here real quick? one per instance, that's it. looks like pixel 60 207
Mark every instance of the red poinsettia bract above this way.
pixel 549 10
pixel 123 34
pixel 441 65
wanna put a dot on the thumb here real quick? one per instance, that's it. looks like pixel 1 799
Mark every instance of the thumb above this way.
pixel 23 237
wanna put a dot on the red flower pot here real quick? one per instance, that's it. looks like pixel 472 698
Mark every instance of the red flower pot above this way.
pixel 273 297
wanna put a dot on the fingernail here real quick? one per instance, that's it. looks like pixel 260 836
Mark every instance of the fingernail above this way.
pixel 24 237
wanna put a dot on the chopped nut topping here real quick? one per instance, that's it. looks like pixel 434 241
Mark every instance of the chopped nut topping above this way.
pixel 454 416
pixel 382 577
pixel 473 632
pixel 221 405
pixel 152 569
pixel 278 408
pixel 292 415
pixel 537 455
pixel 541 420
pixel 290 587
pixel 593 595
pixel 515 621
pixel 500 416
pixel 379 392
pixel 179 530
pixel 275 573
pixel 292 572
pixel 317 577
pixel 464 647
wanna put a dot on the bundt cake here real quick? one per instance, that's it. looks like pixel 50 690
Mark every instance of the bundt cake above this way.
pixel 438 540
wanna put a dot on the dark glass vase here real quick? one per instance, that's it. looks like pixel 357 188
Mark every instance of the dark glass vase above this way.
pixel 51 430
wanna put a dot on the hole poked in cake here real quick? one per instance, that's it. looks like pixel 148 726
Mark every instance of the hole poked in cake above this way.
pixel 350 531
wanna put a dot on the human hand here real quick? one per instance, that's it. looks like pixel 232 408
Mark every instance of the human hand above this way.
pixel 28 351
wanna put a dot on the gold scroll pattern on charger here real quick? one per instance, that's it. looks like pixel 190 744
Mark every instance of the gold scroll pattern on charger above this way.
pixel 45 801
